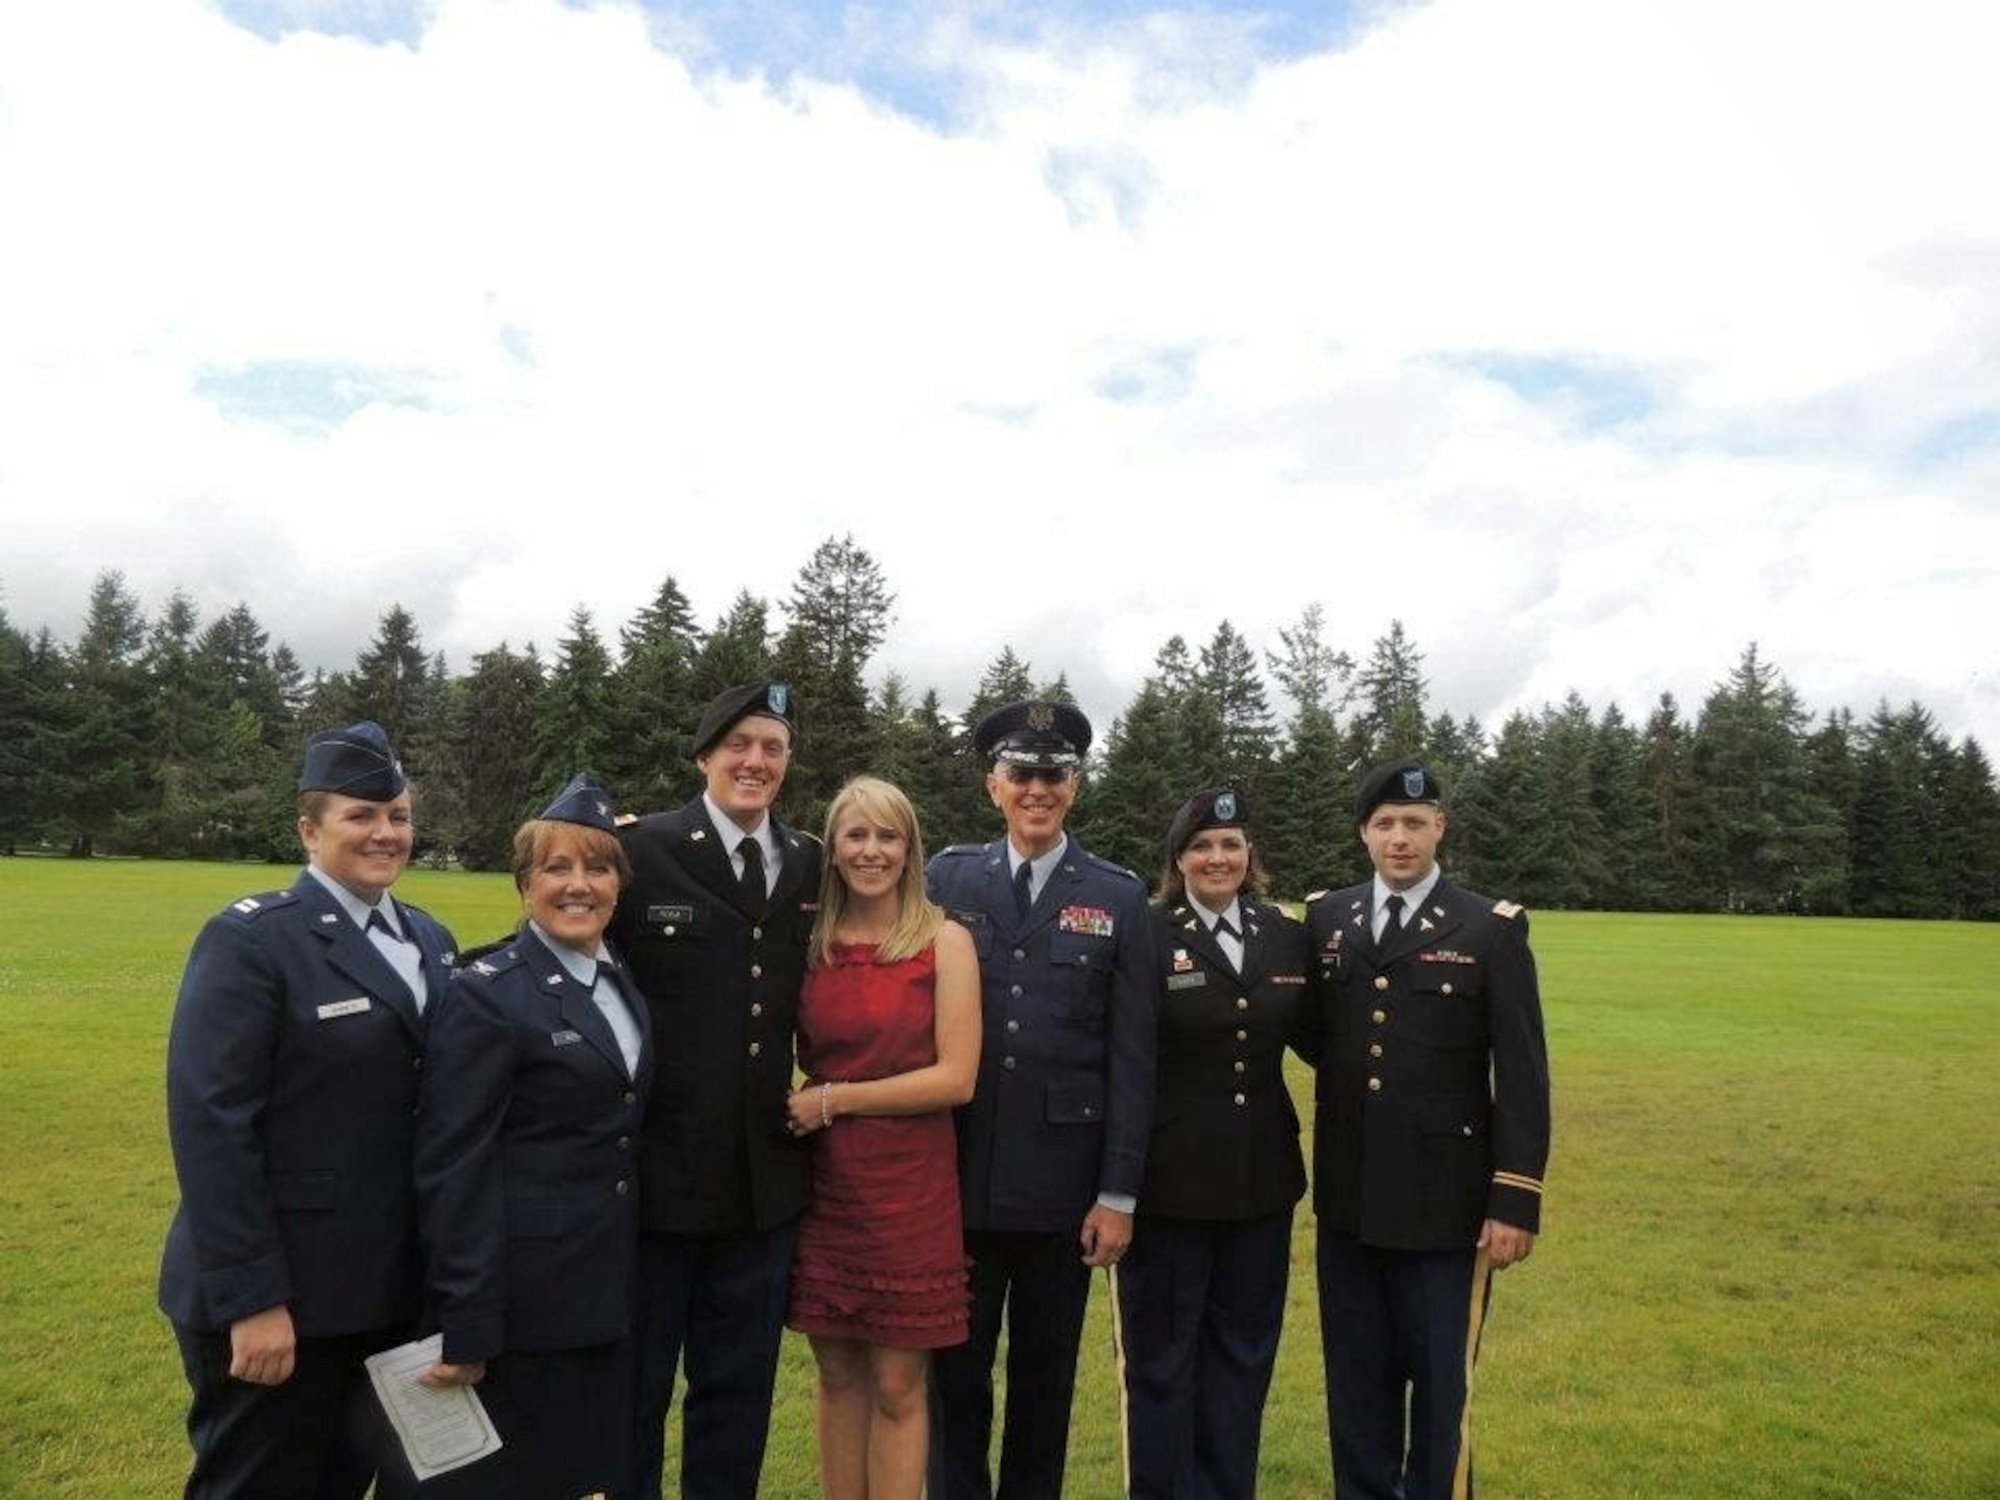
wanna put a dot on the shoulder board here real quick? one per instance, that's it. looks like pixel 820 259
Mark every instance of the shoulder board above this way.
pixel 1102 863
pixel 1507 909
pixel 1274 910
pixel 625 820
pixel 252 907
pixel 959 851
pixel 495 958
pixel 1312 896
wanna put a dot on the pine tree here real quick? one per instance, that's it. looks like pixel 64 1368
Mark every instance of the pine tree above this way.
pixel 102 753
pixel 654 708
pixel 1389 720
pixel 501 777
pixel 572 723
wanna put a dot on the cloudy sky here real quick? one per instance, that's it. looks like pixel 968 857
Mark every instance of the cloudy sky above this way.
pixel 1592 339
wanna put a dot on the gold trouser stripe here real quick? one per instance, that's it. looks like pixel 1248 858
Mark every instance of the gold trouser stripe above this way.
pixel 1482 1272
pixel 1118 1360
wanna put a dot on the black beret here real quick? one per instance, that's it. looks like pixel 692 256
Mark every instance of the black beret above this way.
pixel 772 699
pixel 1222 807
pixel 355 761
pixel 1398 781
pixel 1033 732
pixel 584 800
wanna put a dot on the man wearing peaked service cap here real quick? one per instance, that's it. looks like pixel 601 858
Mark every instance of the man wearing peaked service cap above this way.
pixel 1425 1023
pixel 714 925
pixel 1052 1148
pixel 293 1062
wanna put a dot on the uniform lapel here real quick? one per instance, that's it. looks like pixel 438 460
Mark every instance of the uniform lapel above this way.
pixel 791 864
pixel 706 859
pixel 642 1014
pixel 1255 944
pixel 578 1010
pixel 351 953
pixel 437 963
pixel 1423 925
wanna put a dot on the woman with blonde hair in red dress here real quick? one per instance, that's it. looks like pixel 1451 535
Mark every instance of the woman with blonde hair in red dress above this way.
pixel 889 1034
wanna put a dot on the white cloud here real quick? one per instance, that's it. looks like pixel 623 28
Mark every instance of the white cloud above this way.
pixel 1153 335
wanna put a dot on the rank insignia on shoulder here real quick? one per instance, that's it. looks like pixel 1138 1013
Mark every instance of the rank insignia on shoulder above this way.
pixel 247 905
pixel 449 960
pixel 484 970
pixel 1509 909
pixel 1312 896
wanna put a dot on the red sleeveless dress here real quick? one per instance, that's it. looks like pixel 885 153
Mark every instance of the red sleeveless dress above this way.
pixel 880 1254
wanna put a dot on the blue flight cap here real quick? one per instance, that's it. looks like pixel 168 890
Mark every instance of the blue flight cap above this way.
pixel 585 801
pixel 355 762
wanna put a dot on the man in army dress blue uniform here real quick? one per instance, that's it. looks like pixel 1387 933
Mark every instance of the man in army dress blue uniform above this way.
pixel 1430 1140
pixel 714 928
pixel 1052 1147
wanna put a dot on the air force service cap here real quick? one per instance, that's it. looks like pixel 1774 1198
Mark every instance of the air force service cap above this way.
pixel 583 800
pixel 1398 781
pixel 772 699
pixel 1034 732
pixel 1222 807
pixel 355 762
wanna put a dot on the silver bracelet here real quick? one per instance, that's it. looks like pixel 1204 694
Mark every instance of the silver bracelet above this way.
pixel 825 1115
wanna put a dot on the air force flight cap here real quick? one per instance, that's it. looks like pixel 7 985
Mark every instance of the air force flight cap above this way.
pixel 1398 781
pixel 1223 807
pixel 355 762
pixel 773 699
pixel 584 800
pixel 1034 732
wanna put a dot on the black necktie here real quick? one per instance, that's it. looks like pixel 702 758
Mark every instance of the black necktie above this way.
pixel 1222 927
pixel 753 872
pixel 1395 906
pixel 379 923
pixel 1024 880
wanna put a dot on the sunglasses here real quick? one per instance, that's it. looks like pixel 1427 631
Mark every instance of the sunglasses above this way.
pixel 1053 775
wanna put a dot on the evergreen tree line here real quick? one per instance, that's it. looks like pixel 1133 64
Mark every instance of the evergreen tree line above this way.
pixel 178 738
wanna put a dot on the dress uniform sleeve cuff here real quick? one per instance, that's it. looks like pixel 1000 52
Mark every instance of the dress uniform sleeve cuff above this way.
pixel 473 1340
pixel 1516 1199
pixel 233 1292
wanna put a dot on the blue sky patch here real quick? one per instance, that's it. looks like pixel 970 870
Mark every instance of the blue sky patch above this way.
pixel 306 396
pixel 1591 393
pixel 380 21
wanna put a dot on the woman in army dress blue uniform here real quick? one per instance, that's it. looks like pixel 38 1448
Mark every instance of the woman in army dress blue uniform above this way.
pixel 525 1171
pixel 292 1070
pixel 1201 1291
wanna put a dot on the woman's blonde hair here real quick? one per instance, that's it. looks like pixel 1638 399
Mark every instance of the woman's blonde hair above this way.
pixel 918 918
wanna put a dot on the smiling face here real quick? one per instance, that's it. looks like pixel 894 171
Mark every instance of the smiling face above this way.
pixel 1402 840
pixel 1214 866
pixel 571 885
pixel 746 768
pixel 363 845
pixel 1033 802
pixel 871 854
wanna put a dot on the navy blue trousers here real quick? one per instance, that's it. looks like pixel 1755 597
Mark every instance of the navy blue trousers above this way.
pixel 1040 1285
pixel 1200 1308
pixel 1399 1332
pixel 717 1302
pixel 316 1437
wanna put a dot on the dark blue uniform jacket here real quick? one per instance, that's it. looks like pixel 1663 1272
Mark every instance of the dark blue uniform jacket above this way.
pixel 526 1159
pixel 1064 1102
pixel 292 1073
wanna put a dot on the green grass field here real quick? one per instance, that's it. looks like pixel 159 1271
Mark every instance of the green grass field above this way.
pixel 1771 1264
